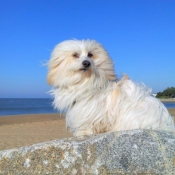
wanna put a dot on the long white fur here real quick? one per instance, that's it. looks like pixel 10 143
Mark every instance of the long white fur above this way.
pixel 94 100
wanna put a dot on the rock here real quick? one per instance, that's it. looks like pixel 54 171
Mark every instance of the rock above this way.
pixel 125 152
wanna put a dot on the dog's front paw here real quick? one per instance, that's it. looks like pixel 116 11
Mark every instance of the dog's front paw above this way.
pixel 83 132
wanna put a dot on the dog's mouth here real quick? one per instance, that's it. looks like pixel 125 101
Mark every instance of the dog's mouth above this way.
pixel 83 69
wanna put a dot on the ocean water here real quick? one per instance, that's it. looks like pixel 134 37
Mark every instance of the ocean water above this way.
pixel 169 104
pixel 15 106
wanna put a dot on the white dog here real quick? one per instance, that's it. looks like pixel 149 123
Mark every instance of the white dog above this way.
pixel 85 87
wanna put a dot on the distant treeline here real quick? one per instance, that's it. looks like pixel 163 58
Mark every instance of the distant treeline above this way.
pixel 167 93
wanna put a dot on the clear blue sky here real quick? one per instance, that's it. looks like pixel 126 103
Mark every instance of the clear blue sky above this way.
pixel 138 34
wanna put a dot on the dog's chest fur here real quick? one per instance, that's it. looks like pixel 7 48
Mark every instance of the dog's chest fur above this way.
pixel 86 107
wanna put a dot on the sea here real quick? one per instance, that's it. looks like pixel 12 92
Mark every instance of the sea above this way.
pixel 17 106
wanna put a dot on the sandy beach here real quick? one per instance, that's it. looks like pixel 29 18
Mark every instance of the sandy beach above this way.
pixel 24 130
pixel 167 100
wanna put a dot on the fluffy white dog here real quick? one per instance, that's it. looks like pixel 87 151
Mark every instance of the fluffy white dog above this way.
pixel 86 88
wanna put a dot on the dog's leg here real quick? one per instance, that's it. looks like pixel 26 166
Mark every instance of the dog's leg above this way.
pixel 83 132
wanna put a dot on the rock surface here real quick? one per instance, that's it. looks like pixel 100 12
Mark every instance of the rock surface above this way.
pixel 126 152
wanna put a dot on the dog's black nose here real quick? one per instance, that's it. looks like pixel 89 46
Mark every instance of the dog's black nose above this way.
pixel 86 64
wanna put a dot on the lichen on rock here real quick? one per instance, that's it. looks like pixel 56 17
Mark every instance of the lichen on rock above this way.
pixel 124 152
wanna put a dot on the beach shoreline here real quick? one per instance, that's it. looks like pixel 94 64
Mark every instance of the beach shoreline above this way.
pixel 166 100
pixel 24 130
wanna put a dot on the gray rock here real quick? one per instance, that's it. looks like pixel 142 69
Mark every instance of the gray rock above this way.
pixel 126 152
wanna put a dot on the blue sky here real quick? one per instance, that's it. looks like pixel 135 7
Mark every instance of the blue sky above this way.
pixel 138 34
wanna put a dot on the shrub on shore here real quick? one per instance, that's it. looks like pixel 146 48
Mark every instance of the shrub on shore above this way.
pixel 167 93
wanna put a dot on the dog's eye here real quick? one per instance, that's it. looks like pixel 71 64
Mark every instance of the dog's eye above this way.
pixel 75 55
pixel 90 55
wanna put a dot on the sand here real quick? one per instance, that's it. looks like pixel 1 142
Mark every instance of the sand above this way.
pixel 25 130
pixel 167 100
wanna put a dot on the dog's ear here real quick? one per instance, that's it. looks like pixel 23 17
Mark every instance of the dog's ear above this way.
pixel 111 77
pixel 50 75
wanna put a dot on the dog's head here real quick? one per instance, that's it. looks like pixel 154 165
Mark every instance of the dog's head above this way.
pixel 73 62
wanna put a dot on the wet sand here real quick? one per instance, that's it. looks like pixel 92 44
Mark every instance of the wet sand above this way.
pixel 24 130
